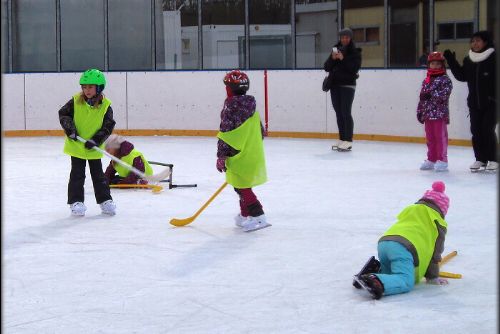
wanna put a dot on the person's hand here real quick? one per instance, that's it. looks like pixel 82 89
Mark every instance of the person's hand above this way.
pixel 221 164
pixel 339 56
pixel 449 55
pixel 72 136
pixel 437 281
pixel 89 144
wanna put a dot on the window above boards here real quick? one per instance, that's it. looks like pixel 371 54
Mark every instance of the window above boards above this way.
pixel 449 31
pixel 366 35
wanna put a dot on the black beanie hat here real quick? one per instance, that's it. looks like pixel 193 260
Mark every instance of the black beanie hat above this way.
pixel 485 36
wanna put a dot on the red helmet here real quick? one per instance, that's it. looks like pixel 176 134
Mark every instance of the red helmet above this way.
pixel 237 81
pixel 435 56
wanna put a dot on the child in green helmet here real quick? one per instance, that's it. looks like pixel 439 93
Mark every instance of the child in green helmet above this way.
pixel 88 115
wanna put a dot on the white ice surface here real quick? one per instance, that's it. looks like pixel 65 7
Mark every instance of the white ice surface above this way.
pixel 135 273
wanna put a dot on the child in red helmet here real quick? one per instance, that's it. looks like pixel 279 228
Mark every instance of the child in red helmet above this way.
pixel 433 112
pixel 240 150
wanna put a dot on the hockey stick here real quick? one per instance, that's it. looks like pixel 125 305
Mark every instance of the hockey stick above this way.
pixel 445 259
pixel 170 185
pixel 151 178
pixel 448 258
pixel 449 275
pixel 185 221
pixel 156 188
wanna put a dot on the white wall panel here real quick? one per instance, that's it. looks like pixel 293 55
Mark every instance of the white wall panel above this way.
pixel 13 102
pixel 384 104
pixel 116 91
pixel 296 101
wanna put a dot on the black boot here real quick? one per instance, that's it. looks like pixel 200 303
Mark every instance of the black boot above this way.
pixel 372 284
pixel 371 266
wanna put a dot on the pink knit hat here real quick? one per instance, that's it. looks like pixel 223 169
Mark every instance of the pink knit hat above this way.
pixel 438 196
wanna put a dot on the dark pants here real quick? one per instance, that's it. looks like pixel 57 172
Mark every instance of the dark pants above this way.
pixel 342 98
pixel 77 181
pixel 249 204
pixel 484 139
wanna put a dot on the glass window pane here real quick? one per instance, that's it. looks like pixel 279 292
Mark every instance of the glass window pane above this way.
pixel 373 35
pixel 5 40
pixel 130 45
pixel 223 34
pixel 177 34
pixel 465 30
pixel 82 35
pixel 315 26
pixel 270 34
pixel 403 33
pixel 366 17
pixel 34 36
pixel 446 31
pixel 449 15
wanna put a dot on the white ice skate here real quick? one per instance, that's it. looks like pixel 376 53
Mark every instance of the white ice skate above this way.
pixel 78 209
pixel 477 166
pixel 345 146
pixel 108 207
pixel 492 166
pixel 240 220
pixel 335 145
pixel 441 166
pixel 427 165
pixel 255 223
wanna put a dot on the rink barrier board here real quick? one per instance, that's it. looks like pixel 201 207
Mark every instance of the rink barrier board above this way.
pixel 213 133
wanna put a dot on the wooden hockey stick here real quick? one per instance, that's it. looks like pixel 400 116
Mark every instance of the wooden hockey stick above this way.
pixel 448 257
pixel 151 178
pixel 185 221
pixel 155 187
pixel 445 259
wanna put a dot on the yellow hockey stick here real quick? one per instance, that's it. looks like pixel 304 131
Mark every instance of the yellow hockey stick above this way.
pixel 445 259
pixel 185 221
pixel 155 187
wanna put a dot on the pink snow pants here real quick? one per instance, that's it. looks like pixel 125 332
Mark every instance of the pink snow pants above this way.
pixel 436 134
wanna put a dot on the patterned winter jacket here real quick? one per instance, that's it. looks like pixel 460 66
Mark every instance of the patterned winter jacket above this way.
pixel 237 109
pixel 110 174
pixel 434 97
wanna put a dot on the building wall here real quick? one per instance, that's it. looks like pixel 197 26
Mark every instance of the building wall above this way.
pixel 384 105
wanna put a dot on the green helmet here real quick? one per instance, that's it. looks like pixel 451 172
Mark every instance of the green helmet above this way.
pixel 93 77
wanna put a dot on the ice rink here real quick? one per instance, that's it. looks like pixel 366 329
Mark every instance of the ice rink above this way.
pixel 135 273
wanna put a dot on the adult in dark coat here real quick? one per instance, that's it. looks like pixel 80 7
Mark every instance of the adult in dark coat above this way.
pixel 343 65
pixel 479 71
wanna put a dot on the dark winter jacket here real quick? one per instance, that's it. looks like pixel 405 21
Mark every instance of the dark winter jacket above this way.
pixel 480 78
pixel 66 114
pixel 344 72
pixel 237 109
pixel 110 174
pixel 434 97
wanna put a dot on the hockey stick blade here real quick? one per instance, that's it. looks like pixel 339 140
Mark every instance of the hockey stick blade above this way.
pixel 185 221
pixel 154 187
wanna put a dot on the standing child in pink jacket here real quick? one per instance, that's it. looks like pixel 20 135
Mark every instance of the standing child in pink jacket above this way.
pixel 433 112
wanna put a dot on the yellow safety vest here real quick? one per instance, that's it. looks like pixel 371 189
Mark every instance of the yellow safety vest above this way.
pixel 88 120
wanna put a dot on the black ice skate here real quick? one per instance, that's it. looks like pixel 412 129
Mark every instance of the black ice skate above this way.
pixel 372 284
pixel 371 266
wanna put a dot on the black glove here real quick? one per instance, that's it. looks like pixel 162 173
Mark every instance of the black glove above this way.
pixel 72 136
pixel 89 144
pixel 448 54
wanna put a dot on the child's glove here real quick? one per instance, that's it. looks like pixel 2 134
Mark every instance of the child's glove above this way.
pixel 89 144
pixel 449 55
pixel 72 136
pixel 221 164
pixel 437 281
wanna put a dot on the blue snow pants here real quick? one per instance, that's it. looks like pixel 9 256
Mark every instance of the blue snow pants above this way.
pixel 397 271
